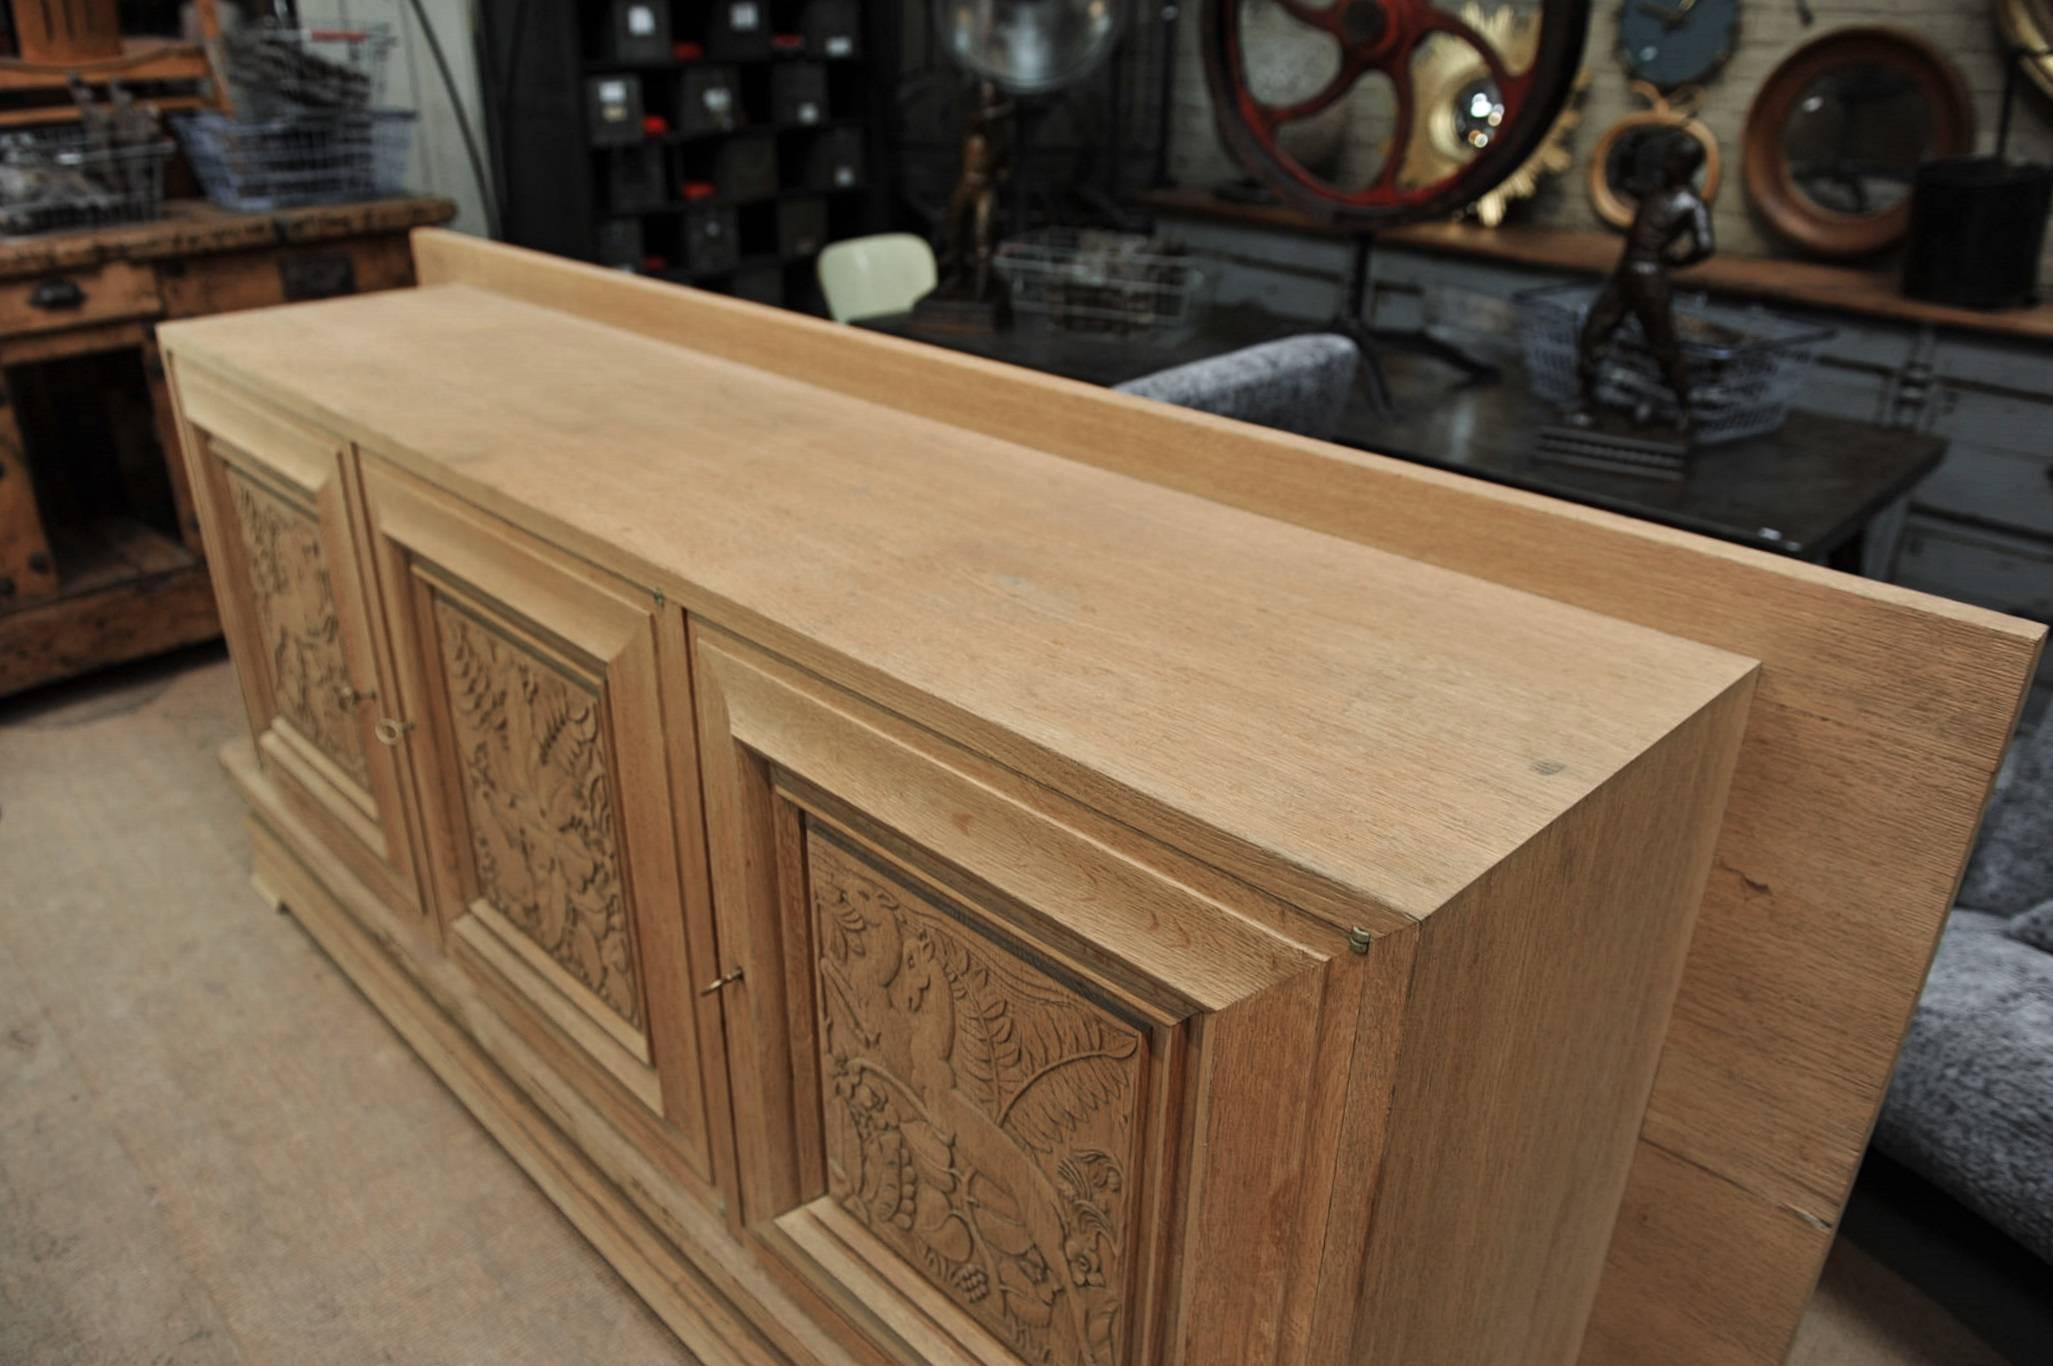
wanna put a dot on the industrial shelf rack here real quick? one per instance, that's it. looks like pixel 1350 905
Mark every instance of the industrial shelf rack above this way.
pixel 716 144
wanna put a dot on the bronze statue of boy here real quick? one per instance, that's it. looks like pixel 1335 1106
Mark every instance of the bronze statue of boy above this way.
pixel 969 229
pixel 1669 211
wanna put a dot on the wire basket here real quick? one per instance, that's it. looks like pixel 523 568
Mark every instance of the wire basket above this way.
pixel 255 165
pixel 1111 283
pixel 274 72
pixel 1744 373
pixel 55 180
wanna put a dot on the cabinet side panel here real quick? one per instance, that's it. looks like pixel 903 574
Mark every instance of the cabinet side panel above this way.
pixel 1671 1240
pixel 1537 1012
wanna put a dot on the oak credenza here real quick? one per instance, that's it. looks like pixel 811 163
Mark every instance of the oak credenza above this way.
pixel 913 893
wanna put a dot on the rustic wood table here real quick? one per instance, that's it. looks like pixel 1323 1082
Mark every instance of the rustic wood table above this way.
pixel 100 557
pixel 1810 490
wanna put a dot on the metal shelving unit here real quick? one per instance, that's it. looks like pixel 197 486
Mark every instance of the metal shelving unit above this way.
pixel 610 148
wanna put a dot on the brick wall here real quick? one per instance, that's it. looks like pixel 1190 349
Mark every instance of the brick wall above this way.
pixel 1769 30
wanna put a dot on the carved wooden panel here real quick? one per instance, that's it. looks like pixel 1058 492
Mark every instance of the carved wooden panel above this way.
pixel 300 632
pixel 980 1115
pixel 534 758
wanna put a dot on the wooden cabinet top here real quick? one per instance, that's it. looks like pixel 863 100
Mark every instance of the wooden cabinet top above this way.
pixel 1360 732
pixel 197 228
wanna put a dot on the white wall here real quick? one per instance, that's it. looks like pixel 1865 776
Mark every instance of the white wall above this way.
pixel 413 82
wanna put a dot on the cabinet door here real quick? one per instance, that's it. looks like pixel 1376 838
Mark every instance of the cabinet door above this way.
pixel 981 1026
pixel 274 498
pixel 544 741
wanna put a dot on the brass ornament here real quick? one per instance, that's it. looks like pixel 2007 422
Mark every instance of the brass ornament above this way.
pixel 2028 24
pixel 1676 111
pixel 1447 75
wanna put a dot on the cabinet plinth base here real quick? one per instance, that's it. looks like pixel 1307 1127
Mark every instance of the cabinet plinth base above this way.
pixel 681 1292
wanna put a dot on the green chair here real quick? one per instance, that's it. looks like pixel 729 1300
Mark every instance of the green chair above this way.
pixel 864 277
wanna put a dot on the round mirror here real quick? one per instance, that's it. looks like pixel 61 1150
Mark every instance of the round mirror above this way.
pixel 1839 130
pixel 1855 136
pixel 1029 47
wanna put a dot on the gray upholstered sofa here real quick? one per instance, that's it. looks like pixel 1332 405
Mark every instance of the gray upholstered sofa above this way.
pixel 1298 384
pixel 1971 1107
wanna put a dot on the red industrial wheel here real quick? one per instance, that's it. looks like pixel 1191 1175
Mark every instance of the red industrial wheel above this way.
pixel 1383 36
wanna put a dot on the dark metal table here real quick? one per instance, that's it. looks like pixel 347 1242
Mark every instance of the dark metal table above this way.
pixel 1809 490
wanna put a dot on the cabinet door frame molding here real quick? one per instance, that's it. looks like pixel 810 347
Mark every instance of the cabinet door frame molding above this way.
pixel 247 458
pixel 568 659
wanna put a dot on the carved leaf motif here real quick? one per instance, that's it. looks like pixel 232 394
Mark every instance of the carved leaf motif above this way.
pixel 1058 1101
pixel 540 801
pixel 979 1113
pixel 296 616
pixel 1041 1067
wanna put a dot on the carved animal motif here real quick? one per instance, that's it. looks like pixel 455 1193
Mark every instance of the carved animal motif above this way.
pixel 535 783
pixel 981 1118
pixel 295 602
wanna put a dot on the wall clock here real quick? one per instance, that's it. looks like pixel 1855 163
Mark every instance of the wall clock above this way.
pixel 1669 43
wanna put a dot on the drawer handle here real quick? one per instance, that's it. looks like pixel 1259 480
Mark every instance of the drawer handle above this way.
pixel 721 982
pixel 56 295
pixel 347 696
pixel 391 732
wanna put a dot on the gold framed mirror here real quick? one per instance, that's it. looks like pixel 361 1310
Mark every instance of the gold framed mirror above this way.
pixel 1462 111
pixel 2028 24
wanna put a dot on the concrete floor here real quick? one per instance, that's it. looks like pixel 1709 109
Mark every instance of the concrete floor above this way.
pixel 213 1151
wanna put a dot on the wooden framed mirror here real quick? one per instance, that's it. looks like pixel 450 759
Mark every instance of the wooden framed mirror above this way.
pixel 1617 162
pixel 1838 130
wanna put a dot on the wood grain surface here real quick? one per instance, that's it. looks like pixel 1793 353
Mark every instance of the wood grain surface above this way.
pixel 1062 617
pixel 1877 727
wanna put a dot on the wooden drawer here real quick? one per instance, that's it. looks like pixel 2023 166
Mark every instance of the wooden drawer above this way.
pixel 561 864
pixel 232 281
pixel 274 498
pixel 983 1040
pixel 73 298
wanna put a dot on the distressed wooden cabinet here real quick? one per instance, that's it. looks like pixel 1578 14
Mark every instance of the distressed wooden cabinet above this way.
pixel 909 897
pixel 99 529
